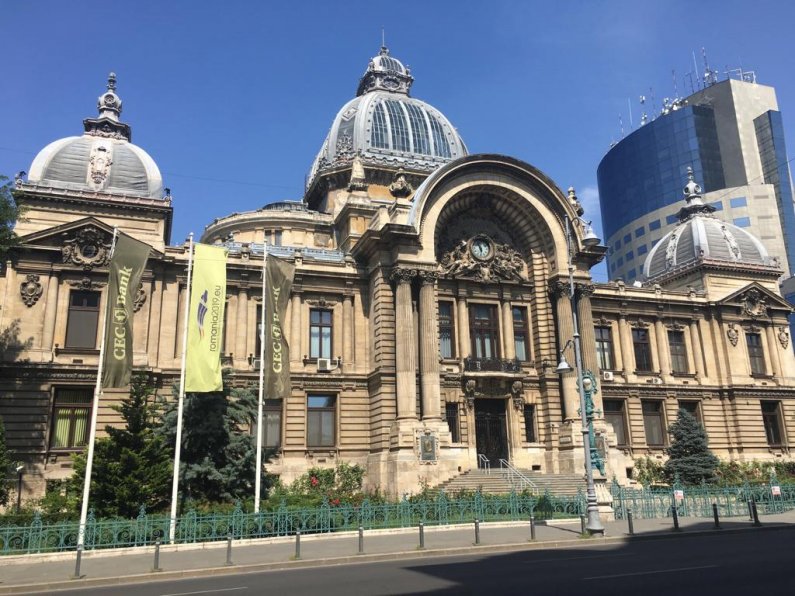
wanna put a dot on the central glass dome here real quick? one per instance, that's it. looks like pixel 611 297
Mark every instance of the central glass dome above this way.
pixel 385 126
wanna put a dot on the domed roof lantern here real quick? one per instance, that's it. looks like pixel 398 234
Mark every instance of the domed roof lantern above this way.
pixel 693 202
pixel 385 73
pixel 107 124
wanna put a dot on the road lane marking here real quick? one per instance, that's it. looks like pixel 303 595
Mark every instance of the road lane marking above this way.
pixel 651 572
pixel 206 591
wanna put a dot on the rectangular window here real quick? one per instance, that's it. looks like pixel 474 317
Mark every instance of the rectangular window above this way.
pixel 718 205
pixel 742 222
pixel 639 232
pixel 643 249
pixel 756 353
pixel 70 418
pixel 654 225
pixel 738 202
pixel 629 256
pixel 627 238
pixel 521 338
pixel 676 345
pixel 614 414
pixel 320 420
pixel 671 219
pixel 320 328
pixel 642 349
pixel 82 320
pixel 653 423
pixel 451 414
pixel 530 423
pixel 272 423
pixel 771 416
pixel 485 331
pixel 446 330
pixel 604 347
pixel 631 274
pixel 691 407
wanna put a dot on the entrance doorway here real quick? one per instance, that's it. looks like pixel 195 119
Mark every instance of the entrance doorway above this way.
pixel 491 435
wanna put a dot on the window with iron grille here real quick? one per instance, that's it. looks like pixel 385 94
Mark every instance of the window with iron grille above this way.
pixel 70 417
pixel 320 328
pixel 451 414
pixel 676 346
pixel 321 411
pixel 521 336
pixel 756 354
pixel 82 319
pixel 446 330
pixel 642 349
pixel 604 347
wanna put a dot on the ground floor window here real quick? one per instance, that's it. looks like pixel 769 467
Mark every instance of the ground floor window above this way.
pixel 451 414
pixel 691 407
pixel 272 423
pixel 71 416
pixel 530 423
pixel 771 416
pixel 616 416
pixel 320 420
pixel 653 423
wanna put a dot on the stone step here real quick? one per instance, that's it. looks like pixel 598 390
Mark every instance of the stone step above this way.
pixel 495 482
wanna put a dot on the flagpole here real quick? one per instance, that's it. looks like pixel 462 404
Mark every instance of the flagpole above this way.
pixel 92 432
pixel 258 482
pixel 178 446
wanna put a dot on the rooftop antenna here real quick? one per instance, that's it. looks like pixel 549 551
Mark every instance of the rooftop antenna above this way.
pixel 676 91
pixel 621 125
pixel 710 76
pixel 695 70
pixel 653 103
pixel 643 118
pixel 629 105
pixel 383 38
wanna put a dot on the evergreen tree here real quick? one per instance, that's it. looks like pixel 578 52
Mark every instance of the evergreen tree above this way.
pixel 218 457
pixel 9 212
pixel 689 454
pixel 5 466
pixel 132 466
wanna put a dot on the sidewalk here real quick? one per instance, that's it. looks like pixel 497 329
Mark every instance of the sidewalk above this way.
pixel 28 573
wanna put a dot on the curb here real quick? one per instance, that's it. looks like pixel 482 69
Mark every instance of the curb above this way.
pixel 151 577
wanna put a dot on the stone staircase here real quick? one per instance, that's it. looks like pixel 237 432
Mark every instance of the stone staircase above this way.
pixel 496 483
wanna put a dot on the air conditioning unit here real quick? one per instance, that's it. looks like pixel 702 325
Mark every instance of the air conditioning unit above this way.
pixel 324 365
pixel 607 375
pixel 656 381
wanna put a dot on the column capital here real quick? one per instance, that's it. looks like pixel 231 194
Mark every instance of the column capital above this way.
pixel 427 277
pixel 559 288
pixel 584 289
pixel 402 275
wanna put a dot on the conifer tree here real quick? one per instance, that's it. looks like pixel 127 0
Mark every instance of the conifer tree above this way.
pixel 689 454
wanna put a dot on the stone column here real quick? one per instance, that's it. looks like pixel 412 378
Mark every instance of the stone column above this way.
pixel 231 325
pixel 627 351
pixel 462 327
pixel 507 328
pixel 295 328
pixel 50 310
pixel 183 306
pixel 405 365
pixel 698 355
pixel 772 343
pixel 587 335
pixel 347 330
pixel 663 357
pixel 241 352
pixel 565 323
pixel 155 312
pixel 429 347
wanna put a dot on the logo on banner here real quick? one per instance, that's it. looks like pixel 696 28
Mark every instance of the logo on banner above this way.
pixel 202 312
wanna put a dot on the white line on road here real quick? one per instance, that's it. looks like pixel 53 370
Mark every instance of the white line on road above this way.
pixel 651 572
pixel 206 591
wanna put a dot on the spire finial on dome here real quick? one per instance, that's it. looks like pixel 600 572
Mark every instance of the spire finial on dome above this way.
pixel 693 202
pixel 107 124
pixel 385 73
pixel 112 81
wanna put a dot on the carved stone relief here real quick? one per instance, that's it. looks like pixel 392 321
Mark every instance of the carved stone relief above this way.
pixel 140 297
pixel 86 284
pixel 88 248
pixel 30 290
pixel 400 187
pixel 482 259
pixel 754 303
pixel 99 161
pixel 783 337
pixel 733 334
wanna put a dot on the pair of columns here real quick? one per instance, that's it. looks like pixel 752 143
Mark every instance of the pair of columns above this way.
pixel 405 345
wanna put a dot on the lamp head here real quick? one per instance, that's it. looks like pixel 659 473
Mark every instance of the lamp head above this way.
pixel 563 365
pixel 587 384
pixel 589 237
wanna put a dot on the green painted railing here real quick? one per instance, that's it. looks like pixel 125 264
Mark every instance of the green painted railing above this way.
pixel 196 527
pixel 696 501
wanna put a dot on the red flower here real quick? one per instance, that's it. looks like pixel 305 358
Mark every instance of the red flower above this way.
pixel 335 502
pixel 314 481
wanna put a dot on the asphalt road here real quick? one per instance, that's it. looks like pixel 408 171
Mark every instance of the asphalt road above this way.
pixel 747 563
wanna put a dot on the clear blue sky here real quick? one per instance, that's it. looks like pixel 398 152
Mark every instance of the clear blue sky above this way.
pixel 233 99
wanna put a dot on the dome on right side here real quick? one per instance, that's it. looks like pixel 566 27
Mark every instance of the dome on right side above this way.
pixel 700 237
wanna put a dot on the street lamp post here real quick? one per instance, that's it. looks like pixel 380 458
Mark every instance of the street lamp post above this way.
pixel 19 470
pixel 593 524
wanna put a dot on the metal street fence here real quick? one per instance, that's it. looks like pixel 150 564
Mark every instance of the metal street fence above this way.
pixel 193 526
pixel 697 501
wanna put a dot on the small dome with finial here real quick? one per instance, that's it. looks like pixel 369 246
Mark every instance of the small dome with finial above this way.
pixel 101 160
pixel 700 237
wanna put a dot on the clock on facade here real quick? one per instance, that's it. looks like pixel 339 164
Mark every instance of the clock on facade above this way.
pixel 480 247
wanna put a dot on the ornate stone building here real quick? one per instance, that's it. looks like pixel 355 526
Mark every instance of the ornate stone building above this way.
pixel 430 305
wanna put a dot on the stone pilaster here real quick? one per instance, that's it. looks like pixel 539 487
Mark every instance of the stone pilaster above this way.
pixel 507 328
pixel 429 347
pixel 347 330
pixel 50 310
pixel 241 351
pixel 565 323
pixel 698 354
pixel 462 327
pixel 405 356
pixel 772 345
pixel 627 351
pixel 663 355
pixel 183 306
pixel 155 313
pixel 295 327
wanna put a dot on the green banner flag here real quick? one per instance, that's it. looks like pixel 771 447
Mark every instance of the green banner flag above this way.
pixel 126 268
pixel 278 281
pixel 206 320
